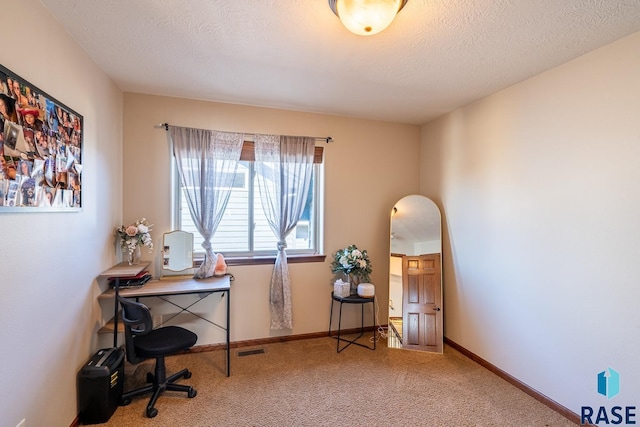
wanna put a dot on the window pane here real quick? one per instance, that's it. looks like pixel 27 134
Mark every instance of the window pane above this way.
pixel 233 235
pixel 300 236
pixel 233 231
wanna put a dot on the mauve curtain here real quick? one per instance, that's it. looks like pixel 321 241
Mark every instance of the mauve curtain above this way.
pixel 207 161
pixel 284 166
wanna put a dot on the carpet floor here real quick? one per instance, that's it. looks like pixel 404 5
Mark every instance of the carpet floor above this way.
pixel 306 383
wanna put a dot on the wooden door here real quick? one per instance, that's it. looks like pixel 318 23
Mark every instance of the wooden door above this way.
pixel 422 303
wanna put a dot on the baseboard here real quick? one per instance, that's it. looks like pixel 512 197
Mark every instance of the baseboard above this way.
pixel 565 412
pixel 272 340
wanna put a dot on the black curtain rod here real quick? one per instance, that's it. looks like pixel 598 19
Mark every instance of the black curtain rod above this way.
pixel 326 139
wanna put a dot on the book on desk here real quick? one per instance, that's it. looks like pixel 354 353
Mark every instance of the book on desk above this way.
pixel 131 281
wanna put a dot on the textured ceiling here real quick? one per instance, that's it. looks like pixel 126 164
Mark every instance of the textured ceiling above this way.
pixel 436 56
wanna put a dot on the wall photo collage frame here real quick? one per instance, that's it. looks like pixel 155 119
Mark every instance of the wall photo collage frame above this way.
pixel 40 149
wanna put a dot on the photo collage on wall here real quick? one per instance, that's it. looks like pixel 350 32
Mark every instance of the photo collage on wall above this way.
pixel 40 148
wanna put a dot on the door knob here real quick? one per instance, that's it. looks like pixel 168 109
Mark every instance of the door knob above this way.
pixel 437 309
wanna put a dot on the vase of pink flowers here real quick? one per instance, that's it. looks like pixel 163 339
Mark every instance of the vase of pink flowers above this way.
pixel 132 237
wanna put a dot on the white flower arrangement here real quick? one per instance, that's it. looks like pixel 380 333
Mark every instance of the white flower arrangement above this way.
pixel 133 235
pixel 353 262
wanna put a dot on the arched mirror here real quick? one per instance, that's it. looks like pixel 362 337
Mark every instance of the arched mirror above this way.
pixel 177 252
pixel 415 275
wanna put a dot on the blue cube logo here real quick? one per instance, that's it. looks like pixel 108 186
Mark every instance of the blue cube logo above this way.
pixel 609 383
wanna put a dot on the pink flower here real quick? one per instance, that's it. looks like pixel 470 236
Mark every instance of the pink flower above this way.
pixel 131 230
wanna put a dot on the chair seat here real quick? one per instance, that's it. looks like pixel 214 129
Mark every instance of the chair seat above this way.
pixel 164 341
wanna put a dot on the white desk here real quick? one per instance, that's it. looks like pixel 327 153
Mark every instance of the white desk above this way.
pixel 175 286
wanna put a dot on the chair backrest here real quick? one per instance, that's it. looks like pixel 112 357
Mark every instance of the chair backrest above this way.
pixel 137 321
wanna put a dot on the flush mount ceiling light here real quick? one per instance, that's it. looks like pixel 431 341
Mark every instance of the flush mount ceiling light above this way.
pixel 366 17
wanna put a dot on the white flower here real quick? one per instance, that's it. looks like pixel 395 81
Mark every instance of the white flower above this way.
pixel 134 235
pixel 353 262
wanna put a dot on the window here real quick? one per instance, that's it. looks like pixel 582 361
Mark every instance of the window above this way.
pixel 244 230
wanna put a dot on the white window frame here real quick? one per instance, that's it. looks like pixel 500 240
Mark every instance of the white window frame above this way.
pixel 317 214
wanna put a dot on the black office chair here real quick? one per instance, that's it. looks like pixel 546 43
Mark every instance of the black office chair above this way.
pixel 143 342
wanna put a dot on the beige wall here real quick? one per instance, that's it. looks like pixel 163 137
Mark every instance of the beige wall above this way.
pixel 49 261
pixel 539 190
pixel 367 169
pixel 538 186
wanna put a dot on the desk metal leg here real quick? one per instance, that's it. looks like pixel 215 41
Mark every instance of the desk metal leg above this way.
pixel 229 333
pixel 186 309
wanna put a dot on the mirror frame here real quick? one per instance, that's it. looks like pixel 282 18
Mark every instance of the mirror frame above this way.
pixel 425 225
pixel 182 251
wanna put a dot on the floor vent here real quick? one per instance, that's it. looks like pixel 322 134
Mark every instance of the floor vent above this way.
pixel 251 352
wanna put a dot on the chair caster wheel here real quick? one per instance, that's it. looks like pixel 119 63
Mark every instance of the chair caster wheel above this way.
pixel 151 412
pixel 187 375
pixel 125 402
pixel 150 377
pixel 192 393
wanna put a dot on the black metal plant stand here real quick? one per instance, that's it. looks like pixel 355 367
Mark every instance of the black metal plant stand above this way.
pixel 353 299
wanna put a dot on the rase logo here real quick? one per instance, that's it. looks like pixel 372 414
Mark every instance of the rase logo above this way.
pixel 609 386
pixel 609 383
